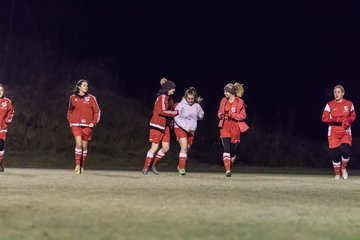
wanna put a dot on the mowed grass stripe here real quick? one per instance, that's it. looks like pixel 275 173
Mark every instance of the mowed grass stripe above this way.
pixel 57 204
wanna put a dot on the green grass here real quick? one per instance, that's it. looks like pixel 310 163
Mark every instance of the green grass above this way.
pixel 57 204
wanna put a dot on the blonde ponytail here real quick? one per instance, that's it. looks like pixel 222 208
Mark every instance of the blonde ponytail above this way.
pixel 239 89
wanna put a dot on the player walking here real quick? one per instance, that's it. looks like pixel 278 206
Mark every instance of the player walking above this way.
pixel 339 114
pixel 6 116
pixel 232 123
pixel 83 114
pixel 160 123
pixel 190 112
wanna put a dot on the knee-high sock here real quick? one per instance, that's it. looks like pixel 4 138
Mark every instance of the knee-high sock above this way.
pixel 336 166
pixel 148 159
pixel 2 156
pixel 227 161
pixel 344 162
pixel 159 155
pixel 84 154
pixel 182 160
pixel 78 153
pixel 233 160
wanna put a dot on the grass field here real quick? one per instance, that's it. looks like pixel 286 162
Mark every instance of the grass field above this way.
pixel 57 204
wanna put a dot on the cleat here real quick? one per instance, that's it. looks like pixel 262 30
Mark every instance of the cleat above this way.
pixel 228 173
pixel 337 177
pixel 77 169
pixel 181 171
pixel 154 170
pixel 344 173
pixel 145 171
pixel 1 167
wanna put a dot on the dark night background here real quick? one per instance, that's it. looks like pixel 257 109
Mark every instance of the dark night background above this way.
pixel 289 55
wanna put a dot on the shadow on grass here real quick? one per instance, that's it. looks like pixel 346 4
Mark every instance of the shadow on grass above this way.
pixel 135 163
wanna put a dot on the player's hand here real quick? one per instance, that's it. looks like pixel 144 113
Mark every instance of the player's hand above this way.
pixel 91 125
pixel 345 123
pixel 221 116
pixel 174 113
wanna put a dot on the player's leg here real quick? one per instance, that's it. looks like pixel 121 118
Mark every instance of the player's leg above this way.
pixel 182 155
pixel 78 154
pixel 345 158
pixel 165 146
pixel 84 154
pixel 155 137
pixel 86 135
pixel 233 147
pixel 336 161
pixel 78 147
pixel 226 142
pixel 2 152
pixel 149 157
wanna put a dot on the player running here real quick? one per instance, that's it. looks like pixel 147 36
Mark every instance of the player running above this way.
pixel 232 123
pixel 83 114
pixel 6 116
pixel 339 114
pixel 160 123
pixel 190 112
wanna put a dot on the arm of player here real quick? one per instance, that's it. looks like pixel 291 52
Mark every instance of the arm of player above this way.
pixel 201 113
pixel 96 111
pixel 239 116
pixel 69 111
pixel 9 114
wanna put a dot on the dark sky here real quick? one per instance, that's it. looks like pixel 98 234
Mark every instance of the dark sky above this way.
pixel 289 54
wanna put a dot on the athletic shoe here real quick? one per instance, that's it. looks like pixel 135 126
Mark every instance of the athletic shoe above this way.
pixel 145 171
pixel 82 169
pixel 228 173
pixel 337 177
pixel 181 171
pixel 1 167
pixel 344 173
pixel 77 169
pixel 154 170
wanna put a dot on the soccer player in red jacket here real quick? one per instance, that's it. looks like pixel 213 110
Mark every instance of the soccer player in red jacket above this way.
pixel 160 123
pixel 6 116
pixel 83 114
pixel 339 114
pixel 232 116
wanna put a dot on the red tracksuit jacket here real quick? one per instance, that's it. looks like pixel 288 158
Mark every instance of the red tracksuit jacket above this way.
pixel 238 114
pixel 6 113
pixel 83 110
pixel 163 111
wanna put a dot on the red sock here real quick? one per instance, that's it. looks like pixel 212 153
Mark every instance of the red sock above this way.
pixel 78 153
pixel 227 161
pixel 344 162
pixel 84 154
pixel 336 168
pixel 148 159
pixel 159 155
pixel 182 160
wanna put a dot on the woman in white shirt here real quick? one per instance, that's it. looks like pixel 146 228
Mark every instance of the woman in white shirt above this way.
pixel 190 112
